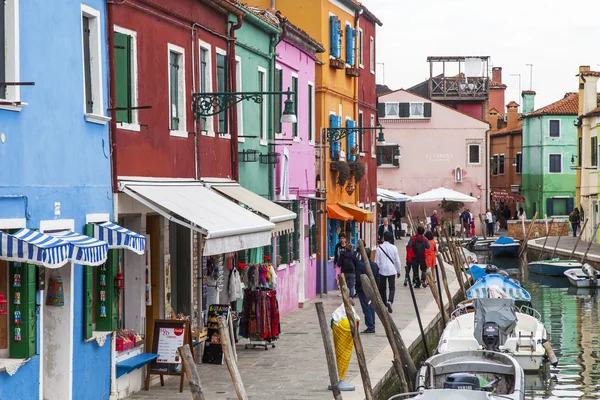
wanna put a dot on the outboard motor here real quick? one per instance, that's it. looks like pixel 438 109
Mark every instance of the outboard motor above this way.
pixel 491 269
pixel 590 272
pixel 491 336
pixel 462 381
pixel 471 243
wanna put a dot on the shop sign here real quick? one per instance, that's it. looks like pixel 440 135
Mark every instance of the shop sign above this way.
pixel 439 157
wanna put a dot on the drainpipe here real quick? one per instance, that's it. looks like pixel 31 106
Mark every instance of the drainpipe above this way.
pixel 272 54
pixel 112 89
pixel 357 14
pixel 232 82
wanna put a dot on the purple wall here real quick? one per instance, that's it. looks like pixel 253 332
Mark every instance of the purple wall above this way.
pixel 301 167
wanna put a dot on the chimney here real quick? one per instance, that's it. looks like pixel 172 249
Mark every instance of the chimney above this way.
pixel 582 69
pixel 528 101
pixel 512 110
pixel 497 74
pixel 590 91
pixel 493 120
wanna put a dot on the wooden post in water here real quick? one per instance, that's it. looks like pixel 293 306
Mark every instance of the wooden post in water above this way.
pixel 403 362
pixel 230 361
pixel 545 240
pixel 329 352
pixel 558 240
pixel 442 268
pixel 590 244
pixel 455 262
pixel 360 352
pixel 578 239
pixel 191 371
pixel 436 295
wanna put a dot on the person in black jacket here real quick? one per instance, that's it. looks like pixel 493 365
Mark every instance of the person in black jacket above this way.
pixel 364 301
pixel 348 263
pixel 385 227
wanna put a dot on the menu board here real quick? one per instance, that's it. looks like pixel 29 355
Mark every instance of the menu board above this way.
pixel 169 335
pixel 169 340
pixel 213 351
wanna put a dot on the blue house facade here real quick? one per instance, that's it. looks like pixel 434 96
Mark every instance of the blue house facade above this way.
pixel 55 177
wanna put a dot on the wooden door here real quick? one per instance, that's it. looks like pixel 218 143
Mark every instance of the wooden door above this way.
pixel 153 310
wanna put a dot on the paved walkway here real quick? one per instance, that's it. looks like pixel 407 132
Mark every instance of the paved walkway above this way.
pixel 296 369
pixel 565 247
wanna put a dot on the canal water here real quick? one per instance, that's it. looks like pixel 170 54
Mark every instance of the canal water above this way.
pixel 571 317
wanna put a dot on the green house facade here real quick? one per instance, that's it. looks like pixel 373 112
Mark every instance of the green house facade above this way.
pixel 549 151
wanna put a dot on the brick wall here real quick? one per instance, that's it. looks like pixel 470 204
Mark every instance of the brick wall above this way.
pixel 515 229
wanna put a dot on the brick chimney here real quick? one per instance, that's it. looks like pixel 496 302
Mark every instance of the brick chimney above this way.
pixel 493 120
pixel 512 110
pixel 528 101
pixel 497 74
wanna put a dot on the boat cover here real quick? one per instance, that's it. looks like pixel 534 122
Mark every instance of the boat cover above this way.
pixel 505 240
pixel 500 311
pixel 495 285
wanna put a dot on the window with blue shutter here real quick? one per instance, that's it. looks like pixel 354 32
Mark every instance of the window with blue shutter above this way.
pixel 350 37
pixel 333 235
pixel 334 36
pixel 335 146
pixel 351 140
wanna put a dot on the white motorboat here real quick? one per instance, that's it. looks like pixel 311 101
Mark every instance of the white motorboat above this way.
pixel 523 335
pixel 469 375
pixel 584 277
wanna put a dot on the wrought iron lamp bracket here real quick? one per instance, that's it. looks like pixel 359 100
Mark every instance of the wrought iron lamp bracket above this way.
pixel 211 104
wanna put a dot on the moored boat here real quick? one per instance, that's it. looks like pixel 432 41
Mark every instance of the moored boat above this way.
pixel 469 375
pixel 553 267
pixel 584 277
pixel 498 286
pixel 520 331
pixel 478 271
pixel 505 247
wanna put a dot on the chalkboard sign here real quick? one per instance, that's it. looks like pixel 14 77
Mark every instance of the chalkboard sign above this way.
pixel 169 335
pixel 213 351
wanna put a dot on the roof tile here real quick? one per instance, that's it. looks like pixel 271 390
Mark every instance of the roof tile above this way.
pixel 568 105
pixel 519 128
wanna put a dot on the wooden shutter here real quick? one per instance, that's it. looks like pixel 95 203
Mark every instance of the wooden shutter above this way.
pixel 88 292
pixel 310 114
pixel 174 93
pixel 549 206
pixel 381 110
pixel 334 36
pixel 87 65
pixel 296 234
pixel 395 155
pixel 26 347
pixel 295 98
pixel 350 36
pixel 278 100
pixel 110 322
pixel 123 78
pixel 427 110
pixel 350 138
pixel 404 110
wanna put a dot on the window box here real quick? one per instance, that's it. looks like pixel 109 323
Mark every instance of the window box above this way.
pixel 337 63
pixel 353 71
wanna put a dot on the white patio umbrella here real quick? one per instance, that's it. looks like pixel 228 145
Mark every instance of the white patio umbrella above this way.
pixel 441 194
pixel 391 196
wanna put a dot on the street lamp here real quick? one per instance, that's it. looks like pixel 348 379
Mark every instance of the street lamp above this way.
pixel 210 104
pixel 335 134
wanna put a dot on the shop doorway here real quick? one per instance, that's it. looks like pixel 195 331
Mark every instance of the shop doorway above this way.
pixel 153 309
pixel 180 242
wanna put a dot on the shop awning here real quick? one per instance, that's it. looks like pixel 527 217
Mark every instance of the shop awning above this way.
pixel 226 226
pixel 357 213
pixel 280 216
pixel 52 251
pixel 336 212
pixel 118 237
pixel 504 195
pixel 385 195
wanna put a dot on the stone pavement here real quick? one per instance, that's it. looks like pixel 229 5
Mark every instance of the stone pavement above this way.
pixel 565 247
pixel 296 368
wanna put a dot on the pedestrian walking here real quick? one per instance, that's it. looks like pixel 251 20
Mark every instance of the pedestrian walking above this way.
pixel 389 264
pixel 521 214
pixel 465 217
pixel 430 257
pixel 365 304
pixel 489 220
pixel 348 264
pixel 337 251
pixel 415 255
pixel 506 214
pixel 575 220
pixel 397 223
pixel 434 222
pixel 385 227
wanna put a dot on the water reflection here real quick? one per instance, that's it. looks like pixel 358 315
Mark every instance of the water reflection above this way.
pixel 571 317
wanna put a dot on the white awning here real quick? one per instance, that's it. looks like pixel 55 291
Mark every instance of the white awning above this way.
pixel 280 216
pixel 226 226
pixel 391 196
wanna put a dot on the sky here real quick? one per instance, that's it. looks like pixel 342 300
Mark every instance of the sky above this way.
pixel 555 36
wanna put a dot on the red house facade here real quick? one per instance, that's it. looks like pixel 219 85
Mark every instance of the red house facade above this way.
pixel 367 117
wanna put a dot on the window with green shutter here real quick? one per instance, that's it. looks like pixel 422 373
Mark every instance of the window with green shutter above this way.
pixel 22 336
pixel 222 87
pixel 295 98
pixel 123 77
pixel 278 99
pixel 174 64
pixel 296 234
pixel 310 121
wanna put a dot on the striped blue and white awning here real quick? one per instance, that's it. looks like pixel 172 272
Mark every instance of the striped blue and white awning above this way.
pixel 44 250
pixel 118 237
pixel 84 250
pixel 52 250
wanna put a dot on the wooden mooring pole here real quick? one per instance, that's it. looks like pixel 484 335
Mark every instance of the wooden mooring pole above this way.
pixel 329 352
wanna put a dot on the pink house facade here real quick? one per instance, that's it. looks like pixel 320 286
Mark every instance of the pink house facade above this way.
pixel 429 145
pixel 295 173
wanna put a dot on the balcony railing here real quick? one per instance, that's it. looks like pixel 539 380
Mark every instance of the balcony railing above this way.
pixel 459 88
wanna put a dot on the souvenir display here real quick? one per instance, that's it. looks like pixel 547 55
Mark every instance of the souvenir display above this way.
pixel 17 301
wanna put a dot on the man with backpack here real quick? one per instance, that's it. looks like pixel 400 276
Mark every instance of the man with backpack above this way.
pixel 415 257
pixel 388 261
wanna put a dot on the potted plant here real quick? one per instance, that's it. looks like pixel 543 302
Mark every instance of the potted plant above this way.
pixel 343 172
pixel 357 170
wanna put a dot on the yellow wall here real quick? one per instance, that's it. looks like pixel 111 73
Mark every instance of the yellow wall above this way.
pixel 335 91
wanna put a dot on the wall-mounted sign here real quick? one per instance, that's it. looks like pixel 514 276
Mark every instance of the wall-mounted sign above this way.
pixel 439 157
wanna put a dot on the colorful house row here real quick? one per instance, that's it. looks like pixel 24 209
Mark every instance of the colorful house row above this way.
pixel 172 192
